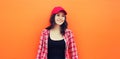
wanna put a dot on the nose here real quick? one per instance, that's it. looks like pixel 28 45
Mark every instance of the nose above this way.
pixel 60 17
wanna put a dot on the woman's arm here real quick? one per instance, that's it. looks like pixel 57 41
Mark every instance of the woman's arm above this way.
pixel 72 47
pixel 40 46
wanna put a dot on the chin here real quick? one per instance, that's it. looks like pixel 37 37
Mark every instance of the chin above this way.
pixel 60 24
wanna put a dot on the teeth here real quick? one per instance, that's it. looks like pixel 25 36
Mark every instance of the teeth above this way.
pixel 60 21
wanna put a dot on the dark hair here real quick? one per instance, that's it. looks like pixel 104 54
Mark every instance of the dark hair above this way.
pixel 63 27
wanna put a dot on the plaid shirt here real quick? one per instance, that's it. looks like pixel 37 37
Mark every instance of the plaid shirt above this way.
pixel 70 52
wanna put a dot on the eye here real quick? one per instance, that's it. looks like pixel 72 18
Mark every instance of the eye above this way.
pixel 58 15
pixel 63 15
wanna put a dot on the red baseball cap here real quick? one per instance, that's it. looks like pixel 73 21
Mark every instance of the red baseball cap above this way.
pixel 58 9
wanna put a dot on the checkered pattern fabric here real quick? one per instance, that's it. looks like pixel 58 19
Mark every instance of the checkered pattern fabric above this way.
pixel 70 52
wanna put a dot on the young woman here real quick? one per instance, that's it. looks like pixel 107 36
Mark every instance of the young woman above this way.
pixel 56 40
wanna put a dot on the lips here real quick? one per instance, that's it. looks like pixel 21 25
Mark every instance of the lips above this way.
pixel 60 21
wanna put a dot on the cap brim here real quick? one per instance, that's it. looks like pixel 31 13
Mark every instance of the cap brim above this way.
pixel 63 11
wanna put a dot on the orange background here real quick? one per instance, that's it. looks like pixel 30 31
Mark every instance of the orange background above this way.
pixel 95 24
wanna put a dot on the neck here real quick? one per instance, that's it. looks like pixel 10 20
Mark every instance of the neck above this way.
pixel 56 27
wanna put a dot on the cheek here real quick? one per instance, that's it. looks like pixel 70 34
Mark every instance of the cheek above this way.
pixel 64 18
pixel 56 18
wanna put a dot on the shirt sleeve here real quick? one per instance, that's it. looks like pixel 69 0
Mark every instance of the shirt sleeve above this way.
pixel 40 46
pixel 72 47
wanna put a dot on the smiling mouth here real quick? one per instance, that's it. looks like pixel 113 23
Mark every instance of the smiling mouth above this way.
pixel 60 21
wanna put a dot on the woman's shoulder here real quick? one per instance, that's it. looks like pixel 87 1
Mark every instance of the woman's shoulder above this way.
pixel 44 30
pixel 68 31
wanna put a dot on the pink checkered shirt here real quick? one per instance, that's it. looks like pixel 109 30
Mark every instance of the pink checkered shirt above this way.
pixel 71 50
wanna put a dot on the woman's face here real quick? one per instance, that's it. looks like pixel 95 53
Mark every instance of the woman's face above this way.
pixel 59 18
